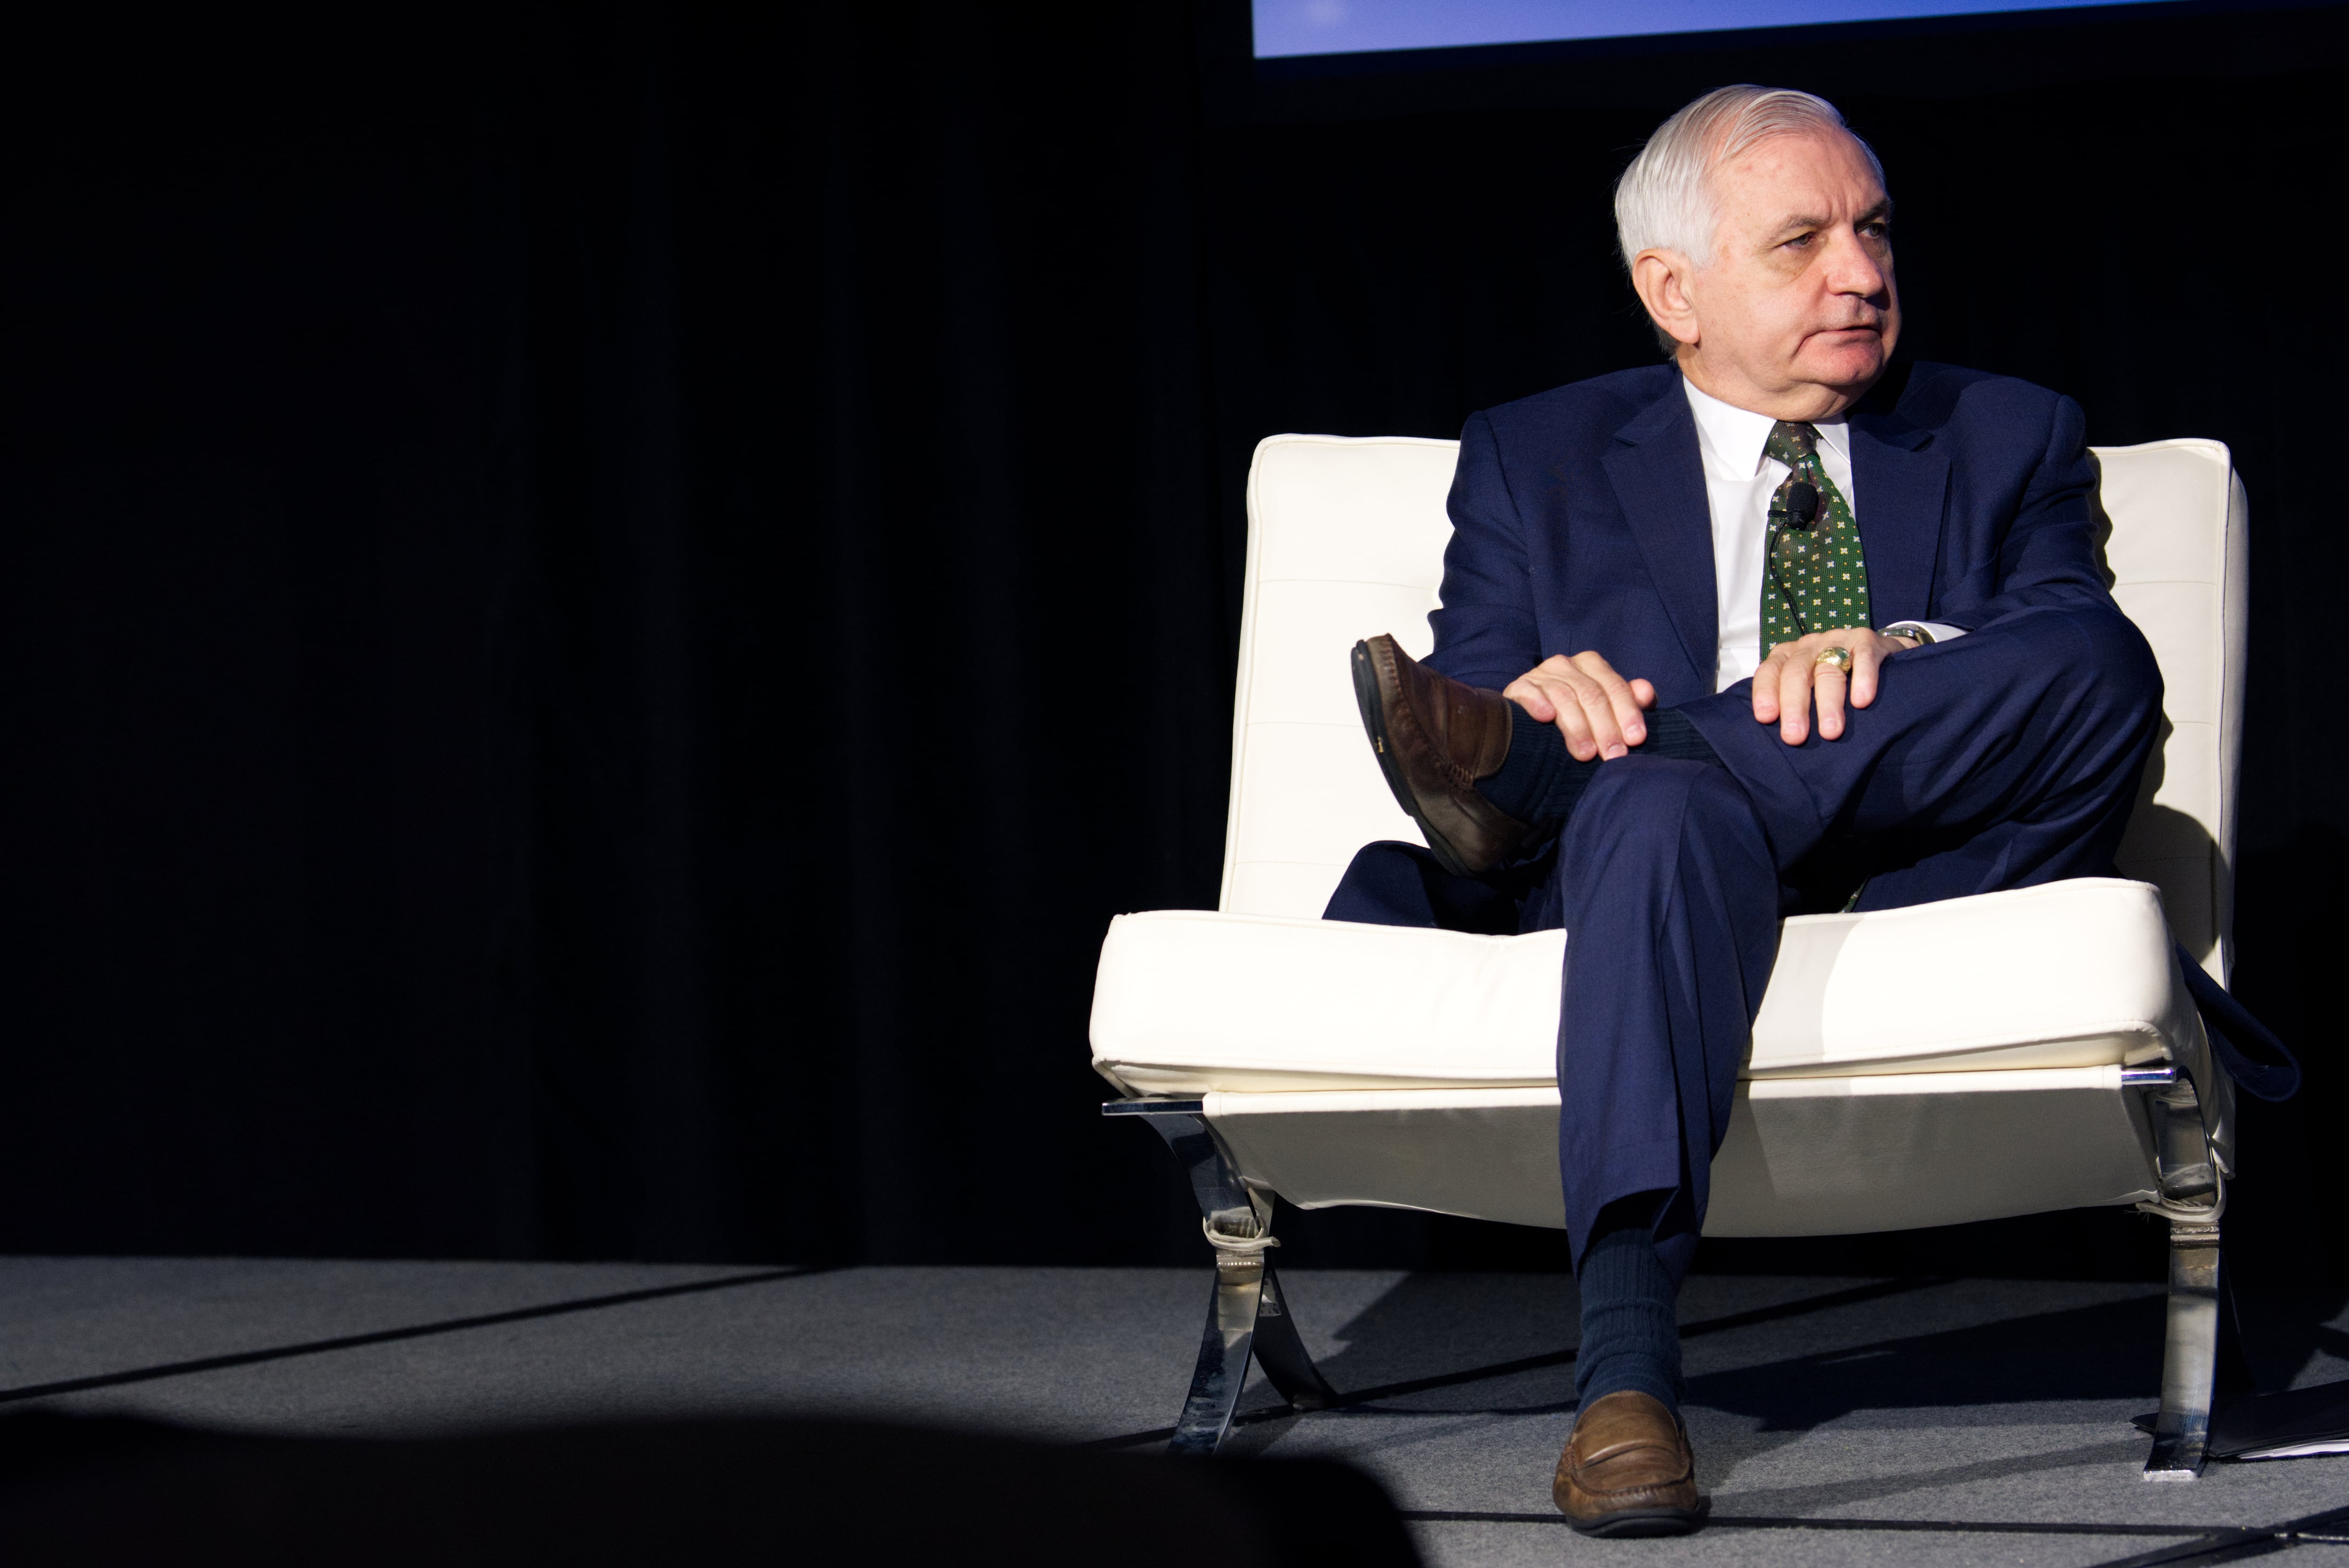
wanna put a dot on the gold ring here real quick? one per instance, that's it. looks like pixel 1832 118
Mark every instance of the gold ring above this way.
pixel 1839 659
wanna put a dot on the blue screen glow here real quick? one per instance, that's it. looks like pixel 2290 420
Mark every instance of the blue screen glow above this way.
pixel 1350 27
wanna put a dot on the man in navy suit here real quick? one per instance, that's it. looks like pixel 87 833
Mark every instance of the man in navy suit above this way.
pixel 1768 628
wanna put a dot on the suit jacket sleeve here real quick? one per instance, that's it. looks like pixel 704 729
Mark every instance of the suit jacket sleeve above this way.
pixel 2048 553
pixel 1485 629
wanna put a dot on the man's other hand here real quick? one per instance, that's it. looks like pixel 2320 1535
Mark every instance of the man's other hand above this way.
pixel 1596 710
pixel 1784 686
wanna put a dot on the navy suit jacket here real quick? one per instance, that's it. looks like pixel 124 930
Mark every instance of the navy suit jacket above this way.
pixel 1579 521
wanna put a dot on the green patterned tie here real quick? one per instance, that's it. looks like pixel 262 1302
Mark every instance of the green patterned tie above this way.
pixel 1813 579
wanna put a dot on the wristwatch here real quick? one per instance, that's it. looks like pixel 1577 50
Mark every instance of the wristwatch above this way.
pixel 1907 629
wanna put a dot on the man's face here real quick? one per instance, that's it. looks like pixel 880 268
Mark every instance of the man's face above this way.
pixel 1796 314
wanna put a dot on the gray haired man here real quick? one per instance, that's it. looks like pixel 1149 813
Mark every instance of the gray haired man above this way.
pixel 1774 626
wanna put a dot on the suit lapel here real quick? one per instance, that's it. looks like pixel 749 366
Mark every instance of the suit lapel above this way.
pixel 1660 481
pixel 1900 476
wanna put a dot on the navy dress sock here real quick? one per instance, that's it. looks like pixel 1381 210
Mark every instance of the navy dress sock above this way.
pixel 1631 1333
pixel 1540 781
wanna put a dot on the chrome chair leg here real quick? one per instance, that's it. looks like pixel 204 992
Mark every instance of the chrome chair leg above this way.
pixel 1224 1349
pixel 2193 1197
pixel 1282 1355
pixel 2189 1359
pixel 1246 1314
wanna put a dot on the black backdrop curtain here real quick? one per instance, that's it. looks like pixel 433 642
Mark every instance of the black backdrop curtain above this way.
pixel 601 603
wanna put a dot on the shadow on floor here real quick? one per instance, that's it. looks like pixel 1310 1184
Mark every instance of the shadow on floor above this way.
pixel 1807 1368
pixel 2109 1350
pixel 97 1489
pixel 1446 1327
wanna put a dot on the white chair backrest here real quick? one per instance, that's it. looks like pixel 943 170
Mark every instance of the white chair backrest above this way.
pixel 1346 540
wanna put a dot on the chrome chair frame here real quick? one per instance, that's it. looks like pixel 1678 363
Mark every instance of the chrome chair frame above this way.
pixel 1249 1318
pixel 1247 1315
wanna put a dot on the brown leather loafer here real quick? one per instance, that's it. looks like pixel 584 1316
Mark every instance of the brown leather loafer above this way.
pixel 1627 1471
pixel 1435 738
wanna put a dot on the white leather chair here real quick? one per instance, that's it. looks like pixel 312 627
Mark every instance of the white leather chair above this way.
pixel 1887 1089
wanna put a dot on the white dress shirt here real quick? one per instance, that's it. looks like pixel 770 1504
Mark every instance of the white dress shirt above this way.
pixel 1740 476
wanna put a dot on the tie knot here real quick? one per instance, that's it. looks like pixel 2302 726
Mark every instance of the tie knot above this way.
pixel 1791 443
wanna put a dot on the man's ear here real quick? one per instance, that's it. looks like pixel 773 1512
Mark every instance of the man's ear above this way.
pixel 1659 277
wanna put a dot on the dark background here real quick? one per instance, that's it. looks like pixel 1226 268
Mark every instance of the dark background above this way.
pixel 600 603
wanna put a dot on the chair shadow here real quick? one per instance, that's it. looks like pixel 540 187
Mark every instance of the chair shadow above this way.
pixel 1466 1346
pixel 1447 1329
pixel 1454 1347
pixel 2105 1350
pixel 1473 1336
pixel 1440 1326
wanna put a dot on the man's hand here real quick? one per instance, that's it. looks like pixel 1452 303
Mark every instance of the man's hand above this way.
pixel 1596 710
pixel 1783 687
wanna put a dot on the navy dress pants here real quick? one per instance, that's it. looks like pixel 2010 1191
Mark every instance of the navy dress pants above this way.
pixel 2004 759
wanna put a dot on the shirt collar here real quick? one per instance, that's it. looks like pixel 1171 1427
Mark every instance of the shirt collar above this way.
pixel 1731 440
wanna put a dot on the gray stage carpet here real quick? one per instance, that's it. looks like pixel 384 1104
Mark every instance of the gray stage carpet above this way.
pixel 1838 1420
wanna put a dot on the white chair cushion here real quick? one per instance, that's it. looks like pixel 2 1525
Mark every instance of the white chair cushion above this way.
pixel 2071 974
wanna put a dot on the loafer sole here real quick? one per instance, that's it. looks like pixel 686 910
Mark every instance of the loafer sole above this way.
pixel 1373 710
pixel 1633 1523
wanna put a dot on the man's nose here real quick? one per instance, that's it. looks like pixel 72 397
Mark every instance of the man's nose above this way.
pixel 1851 268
